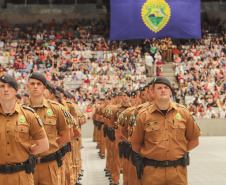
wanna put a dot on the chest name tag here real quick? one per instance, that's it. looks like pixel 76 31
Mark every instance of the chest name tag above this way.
pixel 152 123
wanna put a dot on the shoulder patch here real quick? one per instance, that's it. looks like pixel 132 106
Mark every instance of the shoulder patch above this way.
pixel 39 119
pixel 28 108
pixel 139 111
pixel 64 111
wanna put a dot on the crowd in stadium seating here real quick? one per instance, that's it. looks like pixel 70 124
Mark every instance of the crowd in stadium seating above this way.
pixel 73 54
pixel 78 56
pixel 200 68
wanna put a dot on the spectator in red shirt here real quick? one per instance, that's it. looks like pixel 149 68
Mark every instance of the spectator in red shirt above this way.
pixel 89 111
pixel 175 51
pixel 58 36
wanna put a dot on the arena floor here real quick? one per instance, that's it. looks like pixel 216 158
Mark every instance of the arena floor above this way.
pixel 208 161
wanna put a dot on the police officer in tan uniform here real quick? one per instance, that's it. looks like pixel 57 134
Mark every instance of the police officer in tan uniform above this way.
pixel 132 177
pixel 102 119
pixel 108 114
pixel 67 176
pixel 79 115
pixel 18 124
pixel 77 138
pixel 95 122
pixel 121 132
pixel 169 50
pixel 164 51
pixel 98 112
pixel 143 96
pixel 18 98
pixel 163 134
pixel 56 127
pixel 117 110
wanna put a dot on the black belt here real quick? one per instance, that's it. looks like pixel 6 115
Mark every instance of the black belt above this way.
pixel 184 161
pixel 50 157
pixel 65 149
pixel 13 168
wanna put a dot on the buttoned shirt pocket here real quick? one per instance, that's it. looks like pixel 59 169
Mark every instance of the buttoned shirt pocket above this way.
pixel 21 133
pixel 179 130
pixel 50 126
pixel 153 133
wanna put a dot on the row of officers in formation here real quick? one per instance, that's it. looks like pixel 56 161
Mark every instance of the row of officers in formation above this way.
pixel 40 139
pixel 146 135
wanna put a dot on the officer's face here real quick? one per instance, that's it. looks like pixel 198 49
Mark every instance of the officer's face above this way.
pixel 150 93
pixel 107 101
pixel 125 98
pixel 18 100
pixel 162 92
pixel 134 100
pixel 119 99
pixel 62 95
pixel 143 96
pixel 47 94
pixel 36 87
pixel 25 98
pixel 7 92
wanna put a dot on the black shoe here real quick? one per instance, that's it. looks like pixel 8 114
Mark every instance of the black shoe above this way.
pixel 82 170
pixel 109 178
pixel 79 178
pixel 105 169
pixel 78 183
pixel 107 174
pixel 80 174
pixel 121 171
pixel 97 147
pixel 102 157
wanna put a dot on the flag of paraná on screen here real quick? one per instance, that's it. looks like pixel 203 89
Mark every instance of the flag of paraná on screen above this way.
pixel 144 19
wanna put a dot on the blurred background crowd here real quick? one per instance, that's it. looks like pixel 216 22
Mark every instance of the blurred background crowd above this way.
pixel 78 55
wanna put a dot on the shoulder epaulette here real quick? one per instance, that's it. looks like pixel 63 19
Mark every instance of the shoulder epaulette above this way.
pixel 130 109
pixel 182 106
pixel 53 102
pixel 67 101
pixel 28 108
pixel 140 111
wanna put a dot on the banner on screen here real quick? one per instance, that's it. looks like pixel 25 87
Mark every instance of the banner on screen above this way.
pixel 144 19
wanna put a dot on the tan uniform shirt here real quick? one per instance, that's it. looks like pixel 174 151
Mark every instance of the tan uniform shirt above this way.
pixel 72 109
pixel 164 137
pixel 128 121
pixel 109 112
pixel 15 133
pixel 102 112
pixel 97 112
pixel 116 111
pixel 169 44
pixel 71 121
pixel 73 115
pixel 54 121
pixel 163 47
